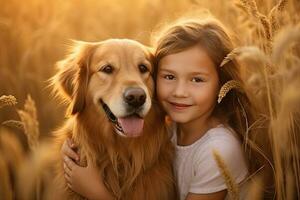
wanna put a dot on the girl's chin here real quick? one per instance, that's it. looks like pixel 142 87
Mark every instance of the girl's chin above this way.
pixel 179 119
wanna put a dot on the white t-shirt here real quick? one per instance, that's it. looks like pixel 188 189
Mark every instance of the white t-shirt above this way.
pixel 196 169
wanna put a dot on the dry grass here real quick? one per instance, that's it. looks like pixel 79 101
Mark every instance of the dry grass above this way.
pixel 33 35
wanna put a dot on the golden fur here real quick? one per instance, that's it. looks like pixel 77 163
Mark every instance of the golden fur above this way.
pixel 138 168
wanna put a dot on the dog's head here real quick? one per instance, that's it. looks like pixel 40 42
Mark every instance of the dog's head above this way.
pixel 112 77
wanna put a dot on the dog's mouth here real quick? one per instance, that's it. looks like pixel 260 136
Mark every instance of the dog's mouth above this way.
pixel 128 126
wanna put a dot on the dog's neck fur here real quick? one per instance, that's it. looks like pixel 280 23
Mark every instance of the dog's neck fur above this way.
pixel 128 156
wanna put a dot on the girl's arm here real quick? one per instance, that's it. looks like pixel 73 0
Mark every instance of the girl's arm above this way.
pixel 84 180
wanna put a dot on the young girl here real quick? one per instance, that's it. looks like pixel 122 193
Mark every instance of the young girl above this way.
pixel 189 79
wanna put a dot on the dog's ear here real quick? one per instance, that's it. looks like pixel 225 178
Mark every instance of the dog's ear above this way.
pixel 150 56
pixel 71 80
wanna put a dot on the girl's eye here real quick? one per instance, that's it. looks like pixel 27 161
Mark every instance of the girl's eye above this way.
pixel 108 69
pixel 169 77
pixel 197 79
pixel 143 68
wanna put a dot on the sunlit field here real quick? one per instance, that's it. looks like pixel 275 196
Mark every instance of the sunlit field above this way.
pixel 35 34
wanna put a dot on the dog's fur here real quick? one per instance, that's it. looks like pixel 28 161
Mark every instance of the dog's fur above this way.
pixel 133 168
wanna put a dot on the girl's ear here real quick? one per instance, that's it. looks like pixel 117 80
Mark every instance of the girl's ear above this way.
pixel 71 80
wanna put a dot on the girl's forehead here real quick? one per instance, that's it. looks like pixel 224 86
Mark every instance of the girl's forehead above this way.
pixel 192 59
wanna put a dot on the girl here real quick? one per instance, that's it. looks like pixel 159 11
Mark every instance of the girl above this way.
pixel 189 80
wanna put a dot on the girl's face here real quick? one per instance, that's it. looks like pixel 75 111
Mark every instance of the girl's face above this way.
pixel 187 85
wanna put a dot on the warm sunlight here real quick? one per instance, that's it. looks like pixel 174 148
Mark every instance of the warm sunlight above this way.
pixel 36 34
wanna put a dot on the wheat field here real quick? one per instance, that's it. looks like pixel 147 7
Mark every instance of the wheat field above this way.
pixel 34 35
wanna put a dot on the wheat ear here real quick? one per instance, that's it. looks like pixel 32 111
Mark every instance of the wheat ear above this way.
pixel 230 56
pixel 274 13
pixel 251 7
pixel 31 125
pixel 7 101
pixel 14 124
pixel 232 187
pixel 229 85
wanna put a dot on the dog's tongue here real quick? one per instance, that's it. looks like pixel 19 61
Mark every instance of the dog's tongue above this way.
pixel 132 126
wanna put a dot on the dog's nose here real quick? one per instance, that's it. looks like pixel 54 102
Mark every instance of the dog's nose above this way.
pixel 135 97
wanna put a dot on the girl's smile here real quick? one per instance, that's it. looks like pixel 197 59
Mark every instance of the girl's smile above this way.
pixel 179 106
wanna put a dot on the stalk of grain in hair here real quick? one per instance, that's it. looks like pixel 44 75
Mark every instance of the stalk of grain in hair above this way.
pixel 229 85
pixel 230 57
pixel 249 53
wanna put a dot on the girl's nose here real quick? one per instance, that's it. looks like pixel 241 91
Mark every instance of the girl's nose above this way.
pixel 180 90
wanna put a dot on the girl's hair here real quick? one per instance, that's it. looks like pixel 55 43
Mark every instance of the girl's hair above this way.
pixel 236 109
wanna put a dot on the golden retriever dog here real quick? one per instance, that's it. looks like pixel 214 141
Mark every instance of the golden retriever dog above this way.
pixel 114 120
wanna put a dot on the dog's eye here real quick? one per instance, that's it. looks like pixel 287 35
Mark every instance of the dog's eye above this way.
pixel 108 69
pixel 143 68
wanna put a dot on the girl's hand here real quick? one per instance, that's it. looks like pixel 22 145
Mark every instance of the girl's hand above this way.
pixel 86 181
pixel 67 150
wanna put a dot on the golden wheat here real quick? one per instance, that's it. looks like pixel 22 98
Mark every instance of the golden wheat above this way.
pixel 284 40
pixel 251 7
pixel 230 57
pixel 229 85
pixel 5 184
pixel 251 54
pixel 32 34
pixel 14 124
pixel 11 157
pixel 232 187
pixel 7 100
pixel 37 172
pixel 275 13
pixel 31 125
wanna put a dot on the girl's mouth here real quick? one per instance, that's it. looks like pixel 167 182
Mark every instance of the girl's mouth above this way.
pixel 179 106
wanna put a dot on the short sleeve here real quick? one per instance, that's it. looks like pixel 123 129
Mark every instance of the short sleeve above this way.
pixel 207 177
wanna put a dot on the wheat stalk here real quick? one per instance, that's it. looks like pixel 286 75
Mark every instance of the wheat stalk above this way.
pixel 285 137
pixel 275 11
pixel 242 53
pixel 13 123
pixel 36 171
pixel 5 185
pixel 229 85
pixel 251 7
pixel 232 187
pixel 230 56
pixel 7 101
pixel 11 157
pixel 283 41
pixel 31 125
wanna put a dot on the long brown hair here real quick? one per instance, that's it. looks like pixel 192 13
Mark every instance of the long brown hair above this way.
pixel 237 109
